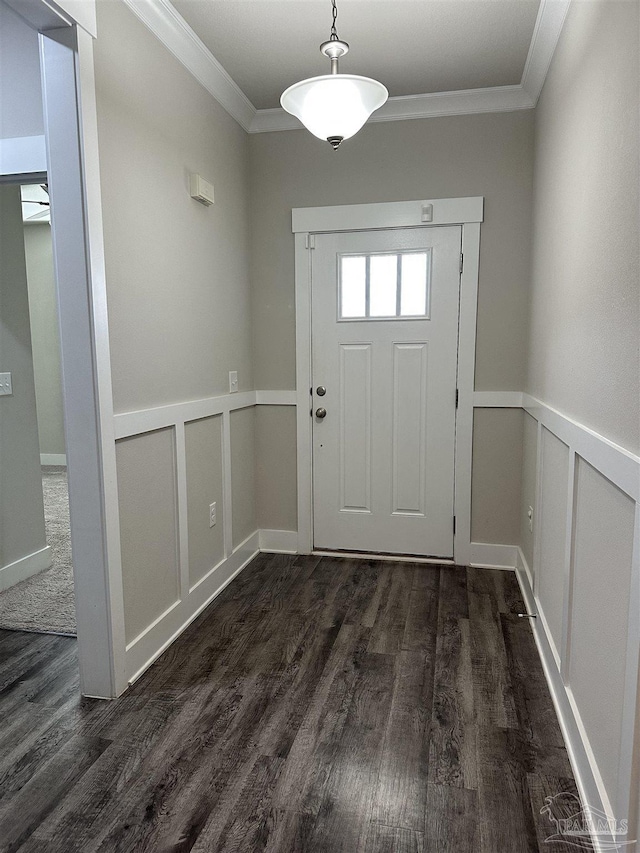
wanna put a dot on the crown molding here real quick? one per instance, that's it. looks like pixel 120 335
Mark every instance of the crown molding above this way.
pixel 549 23
pixel 494 100
pixel 177 36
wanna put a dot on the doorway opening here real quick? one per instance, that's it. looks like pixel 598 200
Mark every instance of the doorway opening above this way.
pixel 37 593
pixel 60 48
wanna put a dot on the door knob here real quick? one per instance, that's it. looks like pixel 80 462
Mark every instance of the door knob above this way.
pixel 321 390
pixel 321 413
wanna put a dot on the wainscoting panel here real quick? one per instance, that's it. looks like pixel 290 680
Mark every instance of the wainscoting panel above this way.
pixel 551 531
pixel 173 462
pixel 205 486
pixel 147 496
pixel 586 594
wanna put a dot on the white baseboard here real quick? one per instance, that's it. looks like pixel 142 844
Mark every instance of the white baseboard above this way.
pixel 487 556
pixel 279 541
pixel 53 459
pixel 25 567
pixel 585 769
pixel 483 555
pixel 148 646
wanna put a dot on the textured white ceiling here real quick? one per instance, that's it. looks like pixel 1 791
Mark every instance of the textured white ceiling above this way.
pixel 412 46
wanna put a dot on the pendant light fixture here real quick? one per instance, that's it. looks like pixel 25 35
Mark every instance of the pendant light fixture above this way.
pixel 334 106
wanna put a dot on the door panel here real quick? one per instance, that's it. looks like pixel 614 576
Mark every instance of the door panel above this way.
pixel 409 428
pixel 355 428
pixel 384 344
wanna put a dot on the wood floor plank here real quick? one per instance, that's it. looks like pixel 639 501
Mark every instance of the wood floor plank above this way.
pixel 83 817
pixel 536 714
pixel 453 753
pixel 422 616
pixel 248 827
pixel 451 820
pixel 289 831
pixel 317 740
pixel 388 630
pixel 492 691
pixel 20 815
pixel 400 798
pixel 43 741
pixel 504 816
pixel 392 839
pixel 554 799
pixel 501 586
pixel 345 809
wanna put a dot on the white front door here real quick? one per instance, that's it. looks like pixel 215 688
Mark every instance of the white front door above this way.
pixel 384 351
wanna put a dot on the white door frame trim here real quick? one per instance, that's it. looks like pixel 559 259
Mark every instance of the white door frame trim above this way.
pixel 69 101
pixel 308 221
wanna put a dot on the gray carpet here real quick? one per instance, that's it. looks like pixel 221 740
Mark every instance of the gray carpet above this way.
pixel 44 603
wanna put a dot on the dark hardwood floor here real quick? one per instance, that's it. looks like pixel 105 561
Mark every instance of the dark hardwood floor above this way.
pixel 317 705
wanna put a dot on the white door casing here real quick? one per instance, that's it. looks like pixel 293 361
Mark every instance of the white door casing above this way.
pixel 307 225
pixel 383 456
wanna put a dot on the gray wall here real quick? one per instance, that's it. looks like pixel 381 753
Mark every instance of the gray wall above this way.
pixel 585 310
pixel 177 272
pixel 45 335
pixel 21 509
pixel 178 298
pixel 488 155
pixel 276 440
pixel 583 359
pixel 20 91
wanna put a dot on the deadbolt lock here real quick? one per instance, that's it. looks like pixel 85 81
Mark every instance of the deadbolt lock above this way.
pixel 321 390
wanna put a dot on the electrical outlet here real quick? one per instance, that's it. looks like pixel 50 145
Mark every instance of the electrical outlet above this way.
pixel 233 381
pixel 530 517
pixel 212 514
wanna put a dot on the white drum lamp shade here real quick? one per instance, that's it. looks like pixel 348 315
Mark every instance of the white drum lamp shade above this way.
pixel 334 105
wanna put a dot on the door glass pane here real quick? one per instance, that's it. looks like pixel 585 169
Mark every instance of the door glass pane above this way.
pixel 383 285
pixel 353 286
pixel 413 298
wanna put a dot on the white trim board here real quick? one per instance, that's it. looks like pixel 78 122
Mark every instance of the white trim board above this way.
pixel 585 770
pixel 613 461
pixel 25 567
pixel 497 99
pixel 23 155
pixel 180 39
pixel 127 424
pixel 69 107
pixel 392 214
pixel 53 459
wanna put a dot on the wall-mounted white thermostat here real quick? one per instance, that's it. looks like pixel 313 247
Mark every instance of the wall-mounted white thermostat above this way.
pixel 200 189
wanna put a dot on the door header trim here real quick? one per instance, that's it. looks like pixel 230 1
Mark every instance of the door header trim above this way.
pixel 396 214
